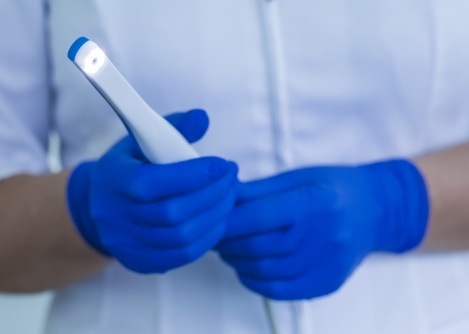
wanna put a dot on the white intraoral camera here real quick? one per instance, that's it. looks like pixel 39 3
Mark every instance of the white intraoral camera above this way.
pixel 158 139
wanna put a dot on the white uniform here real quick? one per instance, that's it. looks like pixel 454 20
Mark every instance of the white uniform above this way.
pixel 286 84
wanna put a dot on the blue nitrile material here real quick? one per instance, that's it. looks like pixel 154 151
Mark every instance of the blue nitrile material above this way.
pixel 80 194
pixel 300 234
pixel 152 217
pixel 72 52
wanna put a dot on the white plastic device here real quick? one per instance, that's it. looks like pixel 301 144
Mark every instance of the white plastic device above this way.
pixel 158 139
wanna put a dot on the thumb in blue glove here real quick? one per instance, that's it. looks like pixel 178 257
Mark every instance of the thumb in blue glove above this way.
pixel 300 234
pixel 151 217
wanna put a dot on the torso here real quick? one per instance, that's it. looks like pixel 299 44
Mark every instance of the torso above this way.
pixel 300 83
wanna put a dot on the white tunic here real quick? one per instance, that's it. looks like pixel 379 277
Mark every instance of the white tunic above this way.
pixel 286 84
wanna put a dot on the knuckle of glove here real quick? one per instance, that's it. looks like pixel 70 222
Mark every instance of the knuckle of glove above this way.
pixel 138 185
pixel 273 269
pixel 183 236
pixel 332 278
pixel 275 290
pixel 252 247
pixel 261 269
pixel 199 247
pixel 172 214
pixel 141 268
pixel 137 265
pixel 216 169
pixel 188 255
pixel 334 282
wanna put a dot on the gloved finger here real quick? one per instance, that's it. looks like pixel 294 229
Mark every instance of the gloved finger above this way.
pixel 125 150
pixel 153 182
pixel 186 233
pixel 177 210
pixel 311 252
pixel 149 260
pixel 315 283
pixel 278 211
pixel 191 124
pixel 280 183
pixel 269 268
pixel 277 243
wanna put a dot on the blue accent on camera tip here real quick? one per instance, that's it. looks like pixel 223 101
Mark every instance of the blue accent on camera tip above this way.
pixel 72 52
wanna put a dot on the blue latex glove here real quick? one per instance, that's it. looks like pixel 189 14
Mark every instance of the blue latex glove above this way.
pixel 151 217
pixel 300 234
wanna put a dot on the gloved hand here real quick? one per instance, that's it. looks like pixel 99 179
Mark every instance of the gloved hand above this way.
pixel 151 217
pixel 300 234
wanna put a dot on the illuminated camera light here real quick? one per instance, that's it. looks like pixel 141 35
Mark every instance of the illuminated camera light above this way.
pixel 89 58
pixel 94 61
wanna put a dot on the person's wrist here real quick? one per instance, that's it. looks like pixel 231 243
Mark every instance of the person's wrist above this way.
pixel 402 193
pixel 78 205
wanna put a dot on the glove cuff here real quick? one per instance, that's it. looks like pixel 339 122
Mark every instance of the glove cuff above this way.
pixel 406 206
pixel 78 202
